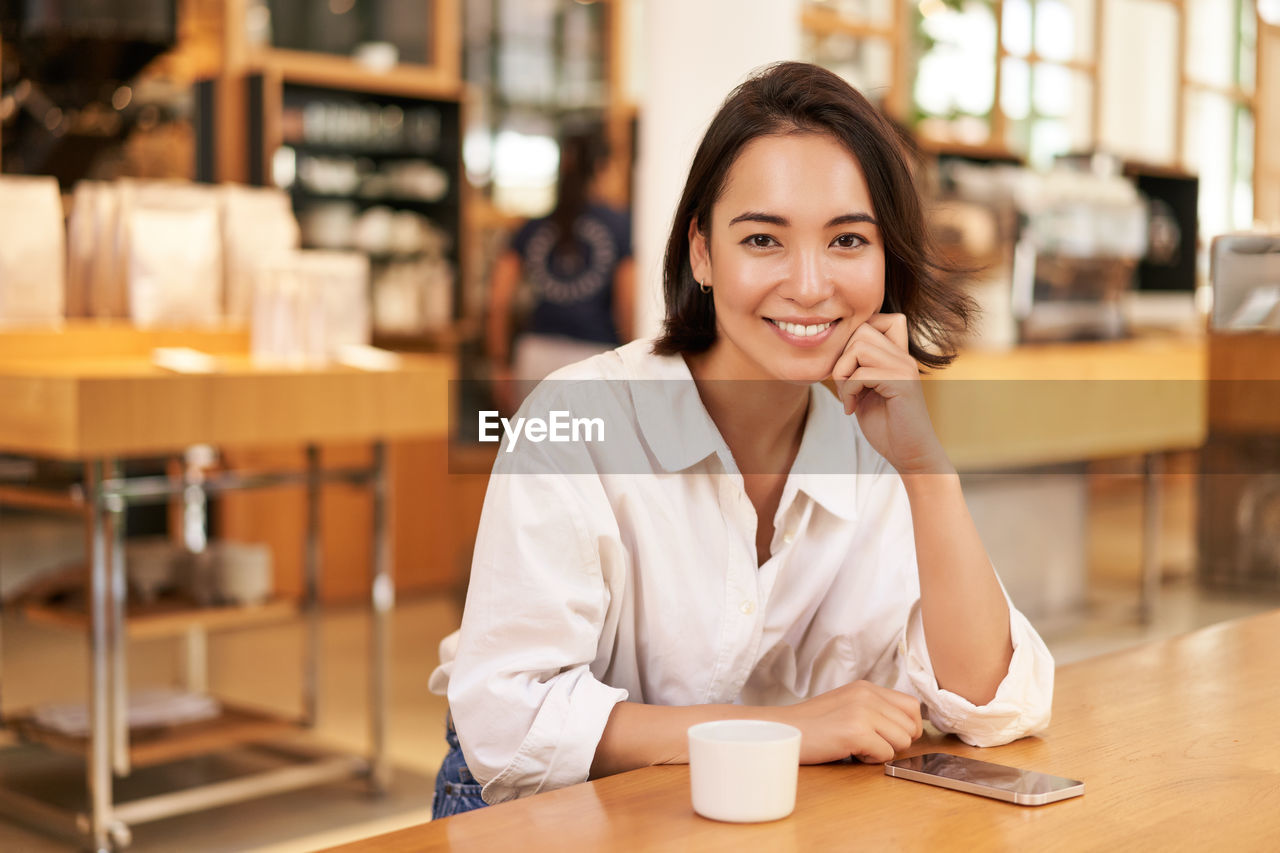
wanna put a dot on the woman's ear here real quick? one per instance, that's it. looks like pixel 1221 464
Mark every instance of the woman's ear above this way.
pixel 699 253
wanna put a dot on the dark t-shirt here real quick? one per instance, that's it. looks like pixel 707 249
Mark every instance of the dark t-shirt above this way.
pixel 574 290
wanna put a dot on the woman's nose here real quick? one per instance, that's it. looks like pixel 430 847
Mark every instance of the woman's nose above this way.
pixel 807 283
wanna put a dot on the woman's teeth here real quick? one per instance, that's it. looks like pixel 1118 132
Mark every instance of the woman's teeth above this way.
pixel 802 331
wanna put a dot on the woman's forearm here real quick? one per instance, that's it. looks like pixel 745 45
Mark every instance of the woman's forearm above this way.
pixel 966 617
pixel 644 735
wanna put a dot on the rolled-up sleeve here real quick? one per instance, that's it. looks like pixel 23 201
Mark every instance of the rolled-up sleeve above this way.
pixel 1022 703
pixel 528 710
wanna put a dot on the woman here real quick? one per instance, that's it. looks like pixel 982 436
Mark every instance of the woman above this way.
pixel 577 264
pixel 776 558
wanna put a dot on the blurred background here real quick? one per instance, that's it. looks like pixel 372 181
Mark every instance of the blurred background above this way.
pixel 247 244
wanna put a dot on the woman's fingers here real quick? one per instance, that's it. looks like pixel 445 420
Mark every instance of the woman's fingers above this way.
pixel 864 379
pixel 894 734
pixel 906 703
pixel 876 750
pixel 893 327
pixel 893 725
pixel 868 346
pixel 861 719
pixel 903 723
pixel 903 709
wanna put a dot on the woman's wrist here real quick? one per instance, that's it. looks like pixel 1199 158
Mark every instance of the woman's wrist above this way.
pixel 931 466
pixel 931 484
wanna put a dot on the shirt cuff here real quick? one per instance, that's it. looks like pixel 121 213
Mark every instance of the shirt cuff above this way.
pixel 561 744
pixel 1022 704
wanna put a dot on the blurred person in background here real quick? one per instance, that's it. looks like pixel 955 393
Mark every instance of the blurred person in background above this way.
pixel 575 268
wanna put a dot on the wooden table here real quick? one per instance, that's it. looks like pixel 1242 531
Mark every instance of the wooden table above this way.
pixel 92 395
pixel 1175 742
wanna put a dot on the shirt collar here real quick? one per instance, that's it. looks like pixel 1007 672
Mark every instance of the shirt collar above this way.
pixel 827 459
pixel 678 429
pixel 673 420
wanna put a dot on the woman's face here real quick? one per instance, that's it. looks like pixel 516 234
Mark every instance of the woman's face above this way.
pixel 794 259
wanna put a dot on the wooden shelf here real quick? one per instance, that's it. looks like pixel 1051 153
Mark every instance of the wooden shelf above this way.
pixel 167 618
pixel 332 70
pixel 984 151
pixel 158 745
pixel 76 339
pixel 828 22
pixel 69 499
pixel 306 195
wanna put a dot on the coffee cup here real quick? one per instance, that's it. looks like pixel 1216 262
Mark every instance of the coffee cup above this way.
pixel 744 771
pixel 242 573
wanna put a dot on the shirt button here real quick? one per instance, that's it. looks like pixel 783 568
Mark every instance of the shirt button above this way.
pixel 789 537
pixel 747 607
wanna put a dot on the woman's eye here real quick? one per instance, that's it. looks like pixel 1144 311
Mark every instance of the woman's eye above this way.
pixel 760 241
pixel 849 241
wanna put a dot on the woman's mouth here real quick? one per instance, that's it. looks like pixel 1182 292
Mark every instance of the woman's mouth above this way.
pixel 804 334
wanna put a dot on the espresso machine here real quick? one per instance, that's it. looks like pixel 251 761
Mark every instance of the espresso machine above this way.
pixel 1081 236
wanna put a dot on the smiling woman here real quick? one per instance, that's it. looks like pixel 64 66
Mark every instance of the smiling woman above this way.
pixel 765 555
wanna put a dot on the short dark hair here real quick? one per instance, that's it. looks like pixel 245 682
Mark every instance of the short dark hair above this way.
pixel 795 97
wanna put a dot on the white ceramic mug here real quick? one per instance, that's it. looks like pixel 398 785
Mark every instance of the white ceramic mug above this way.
pixel 744 771
pixel 242 572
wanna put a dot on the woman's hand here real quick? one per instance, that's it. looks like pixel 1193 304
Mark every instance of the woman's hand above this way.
pixel 877 378
pixel 861 719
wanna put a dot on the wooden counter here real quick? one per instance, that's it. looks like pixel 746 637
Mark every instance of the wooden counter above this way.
pixel 82 408
pixel 1173 740
pixel 89 390
pixel 1245 394
pixel 1131 359
pixel 1044 405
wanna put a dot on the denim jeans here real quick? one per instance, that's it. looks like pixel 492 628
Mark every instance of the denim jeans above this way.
pixel 457 791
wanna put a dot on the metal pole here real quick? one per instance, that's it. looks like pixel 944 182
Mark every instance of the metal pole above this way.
pixel 195 510
pixel 195 662
pixel 99 763
pixel 311 589
pixel 382 600
pixel 1153 469
pixel 116 637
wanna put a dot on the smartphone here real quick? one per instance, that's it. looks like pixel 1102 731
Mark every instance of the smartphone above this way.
pixel 1024 787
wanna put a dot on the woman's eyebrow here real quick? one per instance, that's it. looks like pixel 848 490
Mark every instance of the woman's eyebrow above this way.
pixel 756 216
pixel 850 218
pixel 783 222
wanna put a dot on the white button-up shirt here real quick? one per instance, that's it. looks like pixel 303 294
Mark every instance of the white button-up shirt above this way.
pixel 628 571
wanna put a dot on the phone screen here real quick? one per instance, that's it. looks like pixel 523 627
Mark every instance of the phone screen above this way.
pixel 1011 784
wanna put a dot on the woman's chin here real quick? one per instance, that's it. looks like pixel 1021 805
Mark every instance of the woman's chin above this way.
pixel 805 374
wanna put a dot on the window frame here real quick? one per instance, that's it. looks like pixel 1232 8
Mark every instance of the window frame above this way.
pixel 820 21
